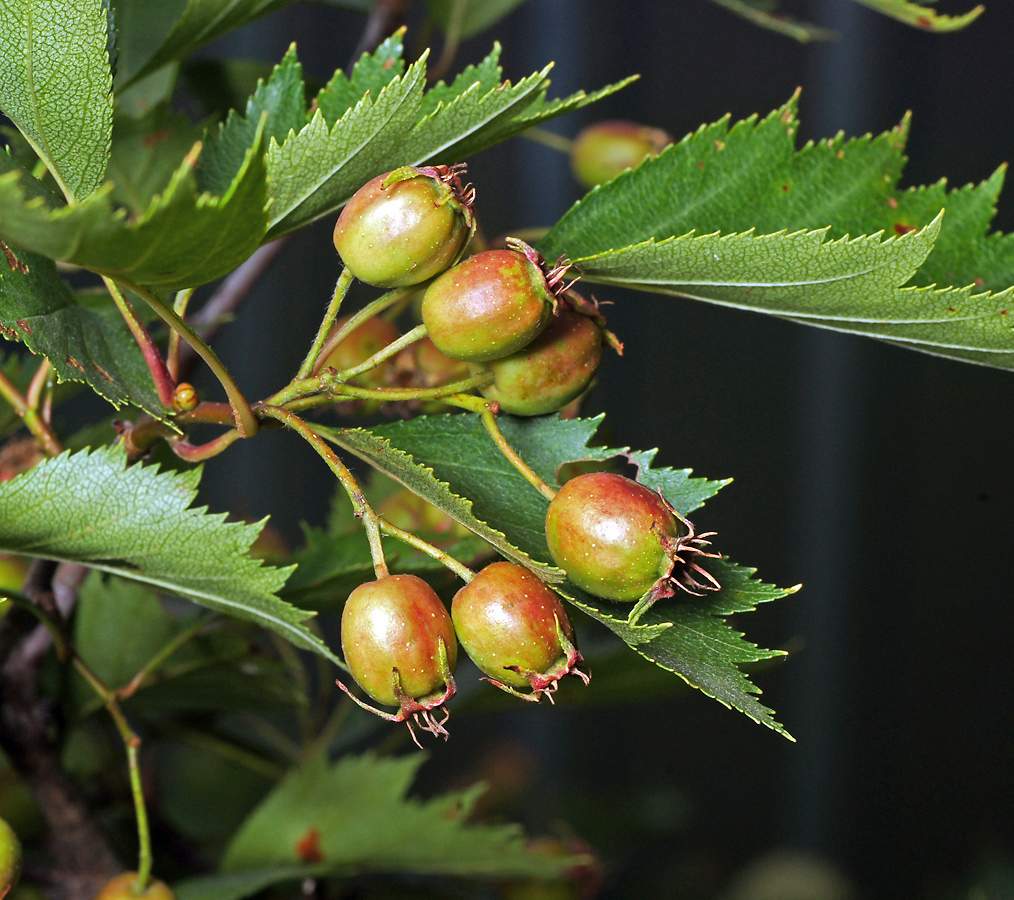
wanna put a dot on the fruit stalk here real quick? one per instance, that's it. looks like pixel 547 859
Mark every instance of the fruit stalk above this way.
pixel 341 288
pixel 360 506
pixel 416 334
pixel 172 356
pixel 367 312
pixel 29 414
pixel 458 568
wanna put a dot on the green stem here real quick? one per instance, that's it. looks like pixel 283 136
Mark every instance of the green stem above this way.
pixel 487 410
pixel 324 389
pixel 132 742
pixel 165 384
pixel 360 506
pixel 549 139
pixel 35 423
pixel 180 305
pixel 416 334
pixel 357 319
pixel 340 290
pixel 38 383
pixel 458 568
pixel 53 627
pixel 132 686
pixel 246 421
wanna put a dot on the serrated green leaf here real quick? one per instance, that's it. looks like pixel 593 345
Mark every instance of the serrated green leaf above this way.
pixel 237 885
pixel 281 99
pixel 222 85
pixel 56 85
pixel 687 635
pixel 314 172
pixel 922 16
pixel 371 74
pixel 84 345
pixel 364 818
pixel 141 28
pixel 137 522
pixel 199 22
pixel 184 238
pixel 725 179
pixel 468 17
pixel 147 150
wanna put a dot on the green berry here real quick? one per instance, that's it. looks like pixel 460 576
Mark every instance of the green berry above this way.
pixel 359 345
pixel 124 887
pixel 405 226
pixel 620 540
pixel 515 629
pixel 604 150
pixel 492 304
pixel 10 858
pixel 551 371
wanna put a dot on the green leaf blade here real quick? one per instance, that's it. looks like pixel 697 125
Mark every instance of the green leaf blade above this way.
pixel 56 85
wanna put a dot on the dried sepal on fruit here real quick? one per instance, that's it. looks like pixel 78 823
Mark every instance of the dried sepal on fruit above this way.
pixel 515 629
pixel 399 645
pixel 494 303
pixel 406 226
pixel 619 540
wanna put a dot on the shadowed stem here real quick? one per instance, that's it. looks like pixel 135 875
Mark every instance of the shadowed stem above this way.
pixel 487 410
pixel 164 383
pixel 133 743
pixel 35 423
pixel 416 334
pixel 172 357
pixel 360 506
pixel 549 139
pixel 246 421
pixel 340 290
pixel 367 312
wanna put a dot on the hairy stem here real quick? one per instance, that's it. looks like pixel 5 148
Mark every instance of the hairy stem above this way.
pixel 416 334
pixel 367 312
pixel 458 568
pixel 246 421
pixel 323 389
pixel 340 290
pixel 34 422
pixel 172 357
pixel 360 506
pixel 164 382
pixel 487 410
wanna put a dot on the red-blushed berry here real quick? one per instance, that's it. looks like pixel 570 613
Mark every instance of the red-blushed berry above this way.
pixel 604 150
pixel 515 629
pixel 556 367
pixel 619 540
pixel 405 226
pixel 399 645
pixel 10 858
pixel 124 887
pixel 359 345
pixel 493 303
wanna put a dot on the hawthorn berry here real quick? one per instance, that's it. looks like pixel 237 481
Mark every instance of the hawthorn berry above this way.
pixel 399 645
pixel 124 887
pixel 370 337
pixel 10 858
pixel 407 510
pixel 551 371
pixel 620 540
pixel 493 303
pixel 516 630
pixel 405 226
pixel 604 150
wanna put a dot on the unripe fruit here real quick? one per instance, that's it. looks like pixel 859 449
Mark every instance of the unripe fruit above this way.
pixel 491 304
pixel 185 397
pixel 516 630
pixel 10 858
pixel 604 150
pixel 620 540
pixel 421 365
pixel 551 371
pixel 124 887
pixel 399 645
pixel 408 511
pixel 405 226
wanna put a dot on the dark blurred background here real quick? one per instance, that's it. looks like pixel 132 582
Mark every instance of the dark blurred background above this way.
pixel 875 476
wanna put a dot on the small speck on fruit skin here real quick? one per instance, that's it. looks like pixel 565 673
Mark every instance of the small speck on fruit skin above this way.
pixel 507 617
pixel 396 623
pixel 604 531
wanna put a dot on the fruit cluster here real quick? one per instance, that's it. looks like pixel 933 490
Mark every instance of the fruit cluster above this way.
pixel 506 315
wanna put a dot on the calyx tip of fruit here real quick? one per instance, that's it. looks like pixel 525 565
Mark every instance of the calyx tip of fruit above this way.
pixel 546 683
pixel 554 276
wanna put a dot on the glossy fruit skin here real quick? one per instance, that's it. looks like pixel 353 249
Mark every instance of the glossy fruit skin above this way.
pixel 393 623
pixel 604 150
pixel 488 306
pixel 402 233
pixel 510 623
pixel 606 531
pixel 10 857
pixel 551 371
pixel 122 887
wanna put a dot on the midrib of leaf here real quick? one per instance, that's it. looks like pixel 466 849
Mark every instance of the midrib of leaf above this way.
pixel 415 71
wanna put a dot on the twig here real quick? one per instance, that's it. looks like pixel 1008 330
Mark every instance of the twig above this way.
pixel 341 288
pixel 386 17
pixel 35 423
